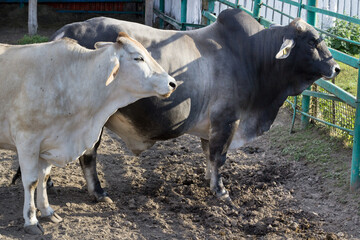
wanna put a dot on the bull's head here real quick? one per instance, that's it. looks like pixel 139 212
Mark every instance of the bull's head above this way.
pixel 311 54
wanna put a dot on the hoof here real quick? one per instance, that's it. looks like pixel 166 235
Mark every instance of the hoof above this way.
pixel 34 229
pixel 49 184
pixel 225 197
pixel 55 218
pixel 105 199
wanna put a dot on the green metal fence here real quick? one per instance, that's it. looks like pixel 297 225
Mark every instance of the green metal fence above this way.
pixel 323 93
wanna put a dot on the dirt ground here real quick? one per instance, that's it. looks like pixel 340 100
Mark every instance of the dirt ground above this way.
pixel 162 194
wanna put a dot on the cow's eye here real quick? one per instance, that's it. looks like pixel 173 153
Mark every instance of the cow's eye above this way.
pixel 139 59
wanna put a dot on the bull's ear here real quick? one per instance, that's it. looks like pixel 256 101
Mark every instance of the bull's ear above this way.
pixel 113 69
pixel 102 44
pixel 285 49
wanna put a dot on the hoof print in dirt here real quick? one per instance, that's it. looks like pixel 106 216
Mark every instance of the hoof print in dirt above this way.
pixel 252 150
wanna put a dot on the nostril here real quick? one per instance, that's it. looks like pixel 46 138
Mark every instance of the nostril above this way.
pixel 337 69
pixel 172 84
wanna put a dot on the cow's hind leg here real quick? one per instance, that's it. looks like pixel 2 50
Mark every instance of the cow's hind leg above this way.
pixel 42 199
pixel 88 165
pixel 28 160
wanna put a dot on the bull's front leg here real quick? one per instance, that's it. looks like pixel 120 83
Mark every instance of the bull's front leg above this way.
pixel 88 165
pixel 215 150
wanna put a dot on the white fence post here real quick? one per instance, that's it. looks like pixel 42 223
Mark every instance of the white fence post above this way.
pixel 149 12
pixel 32 20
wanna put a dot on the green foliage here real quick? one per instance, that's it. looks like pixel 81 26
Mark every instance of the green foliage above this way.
pixel 32 39
pixel 346 30
pixel 347 78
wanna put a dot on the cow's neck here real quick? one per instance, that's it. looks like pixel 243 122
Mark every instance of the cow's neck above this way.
pixel 91 98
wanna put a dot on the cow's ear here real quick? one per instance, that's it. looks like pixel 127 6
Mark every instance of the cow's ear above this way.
pixel 113 69
pixel 122 38
pixel 285 49
pixel 102 44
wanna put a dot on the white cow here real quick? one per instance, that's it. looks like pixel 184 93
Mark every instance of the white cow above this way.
pixel 55 98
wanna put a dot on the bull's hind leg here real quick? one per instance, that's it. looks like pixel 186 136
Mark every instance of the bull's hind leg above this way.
pixel 42 199
pixel 28 159
pixel 88 165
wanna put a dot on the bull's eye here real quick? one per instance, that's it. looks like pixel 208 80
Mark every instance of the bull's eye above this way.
pixel 139 59
pixel 312 42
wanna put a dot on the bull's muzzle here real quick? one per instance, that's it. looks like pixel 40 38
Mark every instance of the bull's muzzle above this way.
pixel 334 72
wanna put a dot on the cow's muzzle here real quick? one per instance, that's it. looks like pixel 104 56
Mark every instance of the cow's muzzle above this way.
pixel 172 86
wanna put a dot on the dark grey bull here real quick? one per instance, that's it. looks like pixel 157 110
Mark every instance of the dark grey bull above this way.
pixel 235 75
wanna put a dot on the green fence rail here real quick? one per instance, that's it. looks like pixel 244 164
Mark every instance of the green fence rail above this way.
pixel 333 92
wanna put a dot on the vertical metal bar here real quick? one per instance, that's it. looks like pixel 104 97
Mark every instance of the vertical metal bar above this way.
pixel 256 12
pixel 354 176
pixel 183 14
pixel 299 9
pixel 296 98
pixel 294 115
pixel 162 9
pixel 282 16
pixel 266 9
pixel 211 6
pixel 305 103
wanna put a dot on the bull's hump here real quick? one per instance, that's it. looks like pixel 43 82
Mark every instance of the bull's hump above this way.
pixel 238 20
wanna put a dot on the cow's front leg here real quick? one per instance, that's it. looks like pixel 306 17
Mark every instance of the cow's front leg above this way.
pixel 88 165
pixel 42 199
pixel 220 138
pixel 28 160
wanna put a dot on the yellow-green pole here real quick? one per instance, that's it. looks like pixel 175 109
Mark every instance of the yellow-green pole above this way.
pixel 354 176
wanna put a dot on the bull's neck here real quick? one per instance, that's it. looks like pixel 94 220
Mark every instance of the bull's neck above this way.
pixel 271 75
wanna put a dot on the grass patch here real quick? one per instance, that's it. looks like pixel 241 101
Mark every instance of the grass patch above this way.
pixel 348 78
pixel 32 39
pixel 314 146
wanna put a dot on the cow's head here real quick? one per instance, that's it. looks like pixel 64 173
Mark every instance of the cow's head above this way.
pixel 134 68
pixel 305 49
